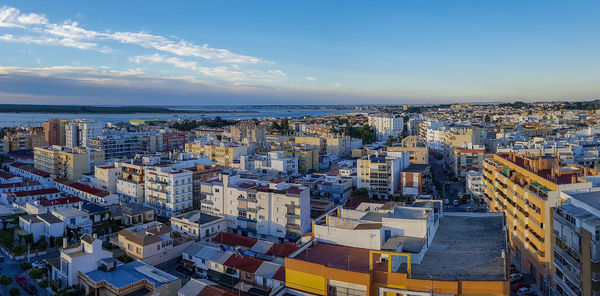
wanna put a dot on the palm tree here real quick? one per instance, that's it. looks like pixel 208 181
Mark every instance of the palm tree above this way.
pixel 14 291
pixel 44 286
pixel 5 281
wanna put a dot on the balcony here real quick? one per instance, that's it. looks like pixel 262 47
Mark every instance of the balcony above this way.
pixel 573 275
pixel 565 222
pixel 569 255
pixel 292 226
pixel 559 281
pixel 292 206
pixel 292 215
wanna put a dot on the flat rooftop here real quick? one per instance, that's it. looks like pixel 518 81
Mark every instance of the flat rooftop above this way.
pixel 336 256
pixel 590 198
pixel 131 273
pixel 466 247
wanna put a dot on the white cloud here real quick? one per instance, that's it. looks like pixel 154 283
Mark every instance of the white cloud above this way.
pixel 310 78
pixel 223 64
pixel 11 17
pixel 181 47
pixel 156 58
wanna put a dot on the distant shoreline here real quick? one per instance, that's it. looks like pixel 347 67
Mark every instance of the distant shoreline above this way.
pixel 61 109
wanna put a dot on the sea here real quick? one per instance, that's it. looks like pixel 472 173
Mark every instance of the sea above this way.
pixel 225 112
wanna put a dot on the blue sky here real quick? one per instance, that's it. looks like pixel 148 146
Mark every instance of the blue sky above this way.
pixel 303 52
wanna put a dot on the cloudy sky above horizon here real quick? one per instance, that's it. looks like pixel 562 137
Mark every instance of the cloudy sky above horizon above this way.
pixel 305 52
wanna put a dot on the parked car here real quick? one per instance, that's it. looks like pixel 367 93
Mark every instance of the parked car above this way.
pixel 21 280
pixel 516 287
pixel 525 292
pixel 446 201
pixel 455 202
pixel 39 264
pixel 515 277
pixel 31 289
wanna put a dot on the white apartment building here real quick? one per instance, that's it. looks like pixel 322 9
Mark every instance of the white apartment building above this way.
pixel 168 191
pixel 275 211
pixel 198 225
pixel 386 125
pixel 83 257
pixel 475 184
pixel 78 132
pixel 380 174
pixel 274 160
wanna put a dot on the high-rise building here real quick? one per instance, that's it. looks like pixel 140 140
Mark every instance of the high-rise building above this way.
pixel 380 174
pixel 65 162
pixel 526 188
pixel 274 211
pixel 52 131
pixel 222 154
pixel 386 125
pixel 168 191
pixel 576 244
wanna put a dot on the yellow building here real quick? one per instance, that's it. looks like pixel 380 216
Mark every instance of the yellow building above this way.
pixel 308 158
pixel 418 153
pixel 312 141
pixel 355 254
pixel 65 162
pixel 147 241
pixel 223 154
pixel 23 141
pixel 526 188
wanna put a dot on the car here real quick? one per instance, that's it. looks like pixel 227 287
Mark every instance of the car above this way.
pixel 516 287
pixel 470 209
pixel 455 202
pixel 515 277
pixel 525 292
pixel 31 289
pixel 21 280
pixel 446 201
pixel 39 264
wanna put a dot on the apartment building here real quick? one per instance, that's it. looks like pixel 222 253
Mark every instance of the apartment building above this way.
pixel 65 162
pixel 275 211
pixel 274 160
pixel 131 182
pixel 398 250
pixel 117 146
pixel 168 191
pixel 249 133
pixel 474 184
pixel 380 174
pixel 82 257
pixel 467 158
pixel 79 132
pixel 576 244
pixel 198 225
pixel 105 177
pixel 23 140
pixel 174 141
pixel 416 180
pixel 525 188
pixel 54 132
pixel 221 154
pixel 315 141
pixel 386 125
pixel 418 153
pixel 145 241
pixel 201 173
pixel 308 158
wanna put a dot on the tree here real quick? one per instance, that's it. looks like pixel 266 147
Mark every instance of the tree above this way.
pixel 44 285
pixel 285 125
pixel 36 274
pixel 19 249
pixel 359 193
pixel 43 244
pixel 390 141
pixel 25 266
pixel 58 241
pixel 52 241
pixel 5 281
pixel 14 291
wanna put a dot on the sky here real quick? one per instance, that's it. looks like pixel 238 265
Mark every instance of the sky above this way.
pixel 297 52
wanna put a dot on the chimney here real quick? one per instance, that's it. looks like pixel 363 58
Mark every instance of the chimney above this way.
pixel 64 242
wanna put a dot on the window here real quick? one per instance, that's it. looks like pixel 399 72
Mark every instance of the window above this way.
pixel 137 250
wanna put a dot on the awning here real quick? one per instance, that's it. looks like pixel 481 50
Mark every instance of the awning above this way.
pixel 187 262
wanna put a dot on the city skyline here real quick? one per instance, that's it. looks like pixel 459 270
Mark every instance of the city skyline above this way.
pixel 240 53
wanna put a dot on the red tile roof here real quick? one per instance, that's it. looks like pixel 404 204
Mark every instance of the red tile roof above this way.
pixel 36 192
pixel 231 239
pixel 6 176
pixel 280 274
pixel 89 189
pixel 282 250
pixel 354 203
pixel 243 263
pixel 60 201
pixel 20 184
